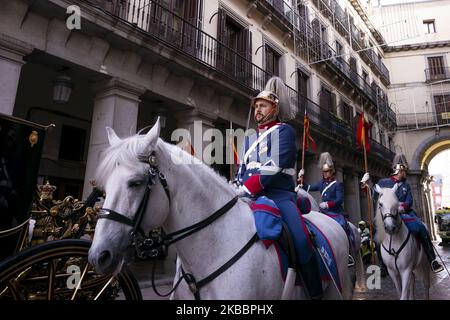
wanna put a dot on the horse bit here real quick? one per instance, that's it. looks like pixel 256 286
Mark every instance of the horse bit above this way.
pixel 148 247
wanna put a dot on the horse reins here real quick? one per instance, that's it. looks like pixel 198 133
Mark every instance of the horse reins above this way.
pixel 144 245
pixel 391 251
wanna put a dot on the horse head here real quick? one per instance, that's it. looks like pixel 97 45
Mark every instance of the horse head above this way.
pixel 387 208
pixel 127 173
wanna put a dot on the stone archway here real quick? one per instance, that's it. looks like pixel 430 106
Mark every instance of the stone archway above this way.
pixel 424 153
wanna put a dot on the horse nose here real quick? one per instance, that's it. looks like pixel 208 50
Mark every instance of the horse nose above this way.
pixel 104 259
pixel 102 262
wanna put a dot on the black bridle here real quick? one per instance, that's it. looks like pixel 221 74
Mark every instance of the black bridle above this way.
pixel 145 246
pixel 391 251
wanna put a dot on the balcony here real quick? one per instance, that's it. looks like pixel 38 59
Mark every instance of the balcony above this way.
pixel 337 16
pixel 437 74
pixel 412 121
pixel 202 48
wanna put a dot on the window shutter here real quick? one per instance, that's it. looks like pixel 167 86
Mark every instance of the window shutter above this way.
pixel 221 24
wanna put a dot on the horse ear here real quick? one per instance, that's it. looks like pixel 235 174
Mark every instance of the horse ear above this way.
pixel 112 136
pixel 152 136
pixel 378 189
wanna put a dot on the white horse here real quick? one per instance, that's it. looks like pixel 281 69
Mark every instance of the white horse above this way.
pixel 193 192
pixel 401 252
pixel 356 252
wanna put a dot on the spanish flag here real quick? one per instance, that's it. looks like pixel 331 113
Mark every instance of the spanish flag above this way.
pixel 307 132
pixel 362 133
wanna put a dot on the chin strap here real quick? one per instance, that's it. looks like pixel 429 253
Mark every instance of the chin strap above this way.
pixel 266 118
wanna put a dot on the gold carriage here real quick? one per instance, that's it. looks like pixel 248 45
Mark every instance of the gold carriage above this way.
pixel 44 243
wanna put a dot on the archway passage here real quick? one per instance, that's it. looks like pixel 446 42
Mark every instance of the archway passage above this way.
pixel 440 193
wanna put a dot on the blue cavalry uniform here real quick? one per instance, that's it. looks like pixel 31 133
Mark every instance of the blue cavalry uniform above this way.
pixel 409 216
pixel 332 192
pixel 267 169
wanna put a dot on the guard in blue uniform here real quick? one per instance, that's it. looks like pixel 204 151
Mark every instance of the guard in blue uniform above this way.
pixel 404 195
pixel 332 195
pixel 267 169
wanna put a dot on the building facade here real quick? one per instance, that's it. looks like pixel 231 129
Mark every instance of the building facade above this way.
pixel 187 61
pixel 418 57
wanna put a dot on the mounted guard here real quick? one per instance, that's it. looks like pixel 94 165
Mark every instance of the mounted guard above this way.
pixel 267 169
pixel 332 194
pixel 408 215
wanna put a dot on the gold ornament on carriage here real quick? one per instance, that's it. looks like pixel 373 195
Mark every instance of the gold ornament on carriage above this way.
pixel 46 191
pixel 33 138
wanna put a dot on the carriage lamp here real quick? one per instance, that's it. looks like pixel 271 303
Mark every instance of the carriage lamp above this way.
pixel 62 88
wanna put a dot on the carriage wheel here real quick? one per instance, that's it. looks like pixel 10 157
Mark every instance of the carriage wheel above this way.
pixel 59 270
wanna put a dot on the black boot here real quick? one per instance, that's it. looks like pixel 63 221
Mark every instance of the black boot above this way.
pixel 310 274
pixel 429 251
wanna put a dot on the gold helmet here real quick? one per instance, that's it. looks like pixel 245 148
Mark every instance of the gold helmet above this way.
pixel 266 95
pixel 326 162
pixel 398 164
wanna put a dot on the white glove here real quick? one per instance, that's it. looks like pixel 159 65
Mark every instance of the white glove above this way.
pixel 365 178
pixel 301 173
pixel 242 191
pixel 323 205
pixel 401 209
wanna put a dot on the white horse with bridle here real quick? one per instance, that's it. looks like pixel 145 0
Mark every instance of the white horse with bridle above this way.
pixel 402 254
pixel 150 183
pixel 356 252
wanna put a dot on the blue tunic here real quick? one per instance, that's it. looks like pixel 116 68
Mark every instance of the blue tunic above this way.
pixel 268 169
pixel 404 195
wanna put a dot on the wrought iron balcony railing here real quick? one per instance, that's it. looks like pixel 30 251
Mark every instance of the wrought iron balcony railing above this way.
pixel 410 121
pixel 177 33
pixel 437 74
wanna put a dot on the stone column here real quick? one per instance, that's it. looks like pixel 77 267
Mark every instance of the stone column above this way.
pixel 197 123
pixel 12 52
pixel 116 106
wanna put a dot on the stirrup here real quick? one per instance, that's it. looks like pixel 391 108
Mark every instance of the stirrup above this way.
pixel 436 266
pixel 351 261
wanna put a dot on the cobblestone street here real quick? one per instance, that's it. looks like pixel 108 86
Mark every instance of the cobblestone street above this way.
pixel 439 291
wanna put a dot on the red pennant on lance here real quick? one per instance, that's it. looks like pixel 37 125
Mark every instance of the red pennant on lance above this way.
pixel 235 155
pixel 309 138
pixel 362 133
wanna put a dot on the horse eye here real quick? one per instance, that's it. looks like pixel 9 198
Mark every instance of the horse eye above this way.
pixel 135 183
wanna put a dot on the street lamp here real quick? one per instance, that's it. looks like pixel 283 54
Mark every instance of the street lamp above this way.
pixel 62 88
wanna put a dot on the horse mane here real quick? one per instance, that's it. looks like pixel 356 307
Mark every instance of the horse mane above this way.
pixel 127 151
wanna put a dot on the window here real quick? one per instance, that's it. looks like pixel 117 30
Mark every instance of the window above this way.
pixel 428 26
pixel 71 146
pixel 328 100
pixel 338 50
pixel 347 113
pixel 303 79
pixel 436 69
pixel 234 54
pixel 442 107
pixel 272 61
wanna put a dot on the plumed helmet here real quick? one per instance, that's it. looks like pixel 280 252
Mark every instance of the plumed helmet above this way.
pixel 267 96
pixel 276 92
pixel 399 163
pixel 326 162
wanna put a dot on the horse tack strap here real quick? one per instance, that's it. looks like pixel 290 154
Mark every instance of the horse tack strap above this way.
pixel 200 225
pixel 394 253
pixel 196 285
